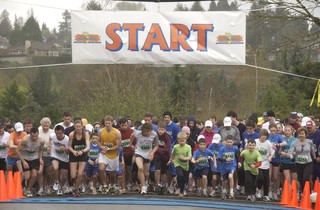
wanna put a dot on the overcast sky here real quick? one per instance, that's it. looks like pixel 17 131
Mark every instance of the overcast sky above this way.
pixel 50 11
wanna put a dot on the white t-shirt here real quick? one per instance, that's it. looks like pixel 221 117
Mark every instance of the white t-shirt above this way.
pixel 45 137
pixel 4 139
pixel 145 144
pixel 55 147
pixel 265 149
pixel 61 123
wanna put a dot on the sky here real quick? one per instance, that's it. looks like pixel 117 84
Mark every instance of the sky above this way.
pixel 50 11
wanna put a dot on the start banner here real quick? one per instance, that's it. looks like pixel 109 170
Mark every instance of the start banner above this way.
pixel 105 37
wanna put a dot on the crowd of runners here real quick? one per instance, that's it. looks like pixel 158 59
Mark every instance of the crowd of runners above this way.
pixel 217 158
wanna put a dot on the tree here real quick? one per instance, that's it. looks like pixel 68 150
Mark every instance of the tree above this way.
pixel 45 31
pixel 16 35
pixel 212 6
pixel 128 6
pixel 65 27
pixel 41 88
pixel 11 101
pixel 196 6
pixel 181 7
pixel 5 24
pixel 31 30
pixel 223 5
pixel 92 5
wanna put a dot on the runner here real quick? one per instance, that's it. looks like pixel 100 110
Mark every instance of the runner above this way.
pixel 79 146
pixel 30 153
pixel 146 143
pixel 14 141
pixel 110 141
pixel 60 158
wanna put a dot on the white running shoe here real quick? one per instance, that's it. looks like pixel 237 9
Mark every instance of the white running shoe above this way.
pixel 143 190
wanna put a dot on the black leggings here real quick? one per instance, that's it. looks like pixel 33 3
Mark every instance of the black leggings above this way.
pixel 263 179
pixel 182 178
pixel 250 183
pixel 304 172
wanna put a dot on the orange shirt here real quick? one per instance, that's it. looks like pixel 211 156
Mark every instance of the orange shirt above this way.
pixel 109 139
pixel 16 141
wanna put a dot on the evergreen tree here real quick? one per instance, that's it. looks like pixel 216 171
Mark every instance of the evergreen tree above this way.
pixel 16 35
pixel 93 5
pixel 197 6
pixel 223 5
pixel 41 88
pixel 65 27
pixel 128 6
pixel 11 101
pixel 213 6
pixel 45 31
pixel 181 7
pixel 31 30
pixel 5 24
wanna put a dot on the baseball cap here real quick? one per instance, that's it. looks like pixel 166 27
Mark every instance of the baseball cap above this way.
pixel 208 123
pixel 89 128
pixel 185 129
pixel 18 127
pixel 260 121
pixel 216 138
pixel 200 137
pixel 270 113
pixel 84 121
pixel 227 121
pixel 294 115
pixel 309 124
pixel 300 115
pixel 265 114
pixel 305 120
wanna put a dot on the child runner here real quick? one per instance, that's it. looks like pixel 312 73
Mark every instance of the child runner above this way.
pixel 267 152
pixel 227 156
pixel 252 161
pixel 92 166
pixel 161 158
pixel 214 148
pixel 201 160
pixel 181 155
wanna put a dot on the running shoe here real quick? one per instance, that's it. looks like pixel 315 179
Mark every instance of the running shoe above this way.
pixel 143 190
pixel 55 185
pixel 266 199
pixel 29 194
pixel 59 192
pixel 40 192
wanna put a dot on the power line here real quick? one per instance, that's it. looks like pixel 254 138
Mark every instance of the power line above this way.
pixel 37 5
pixel 281 72
pixel 252 66
pixel 36 66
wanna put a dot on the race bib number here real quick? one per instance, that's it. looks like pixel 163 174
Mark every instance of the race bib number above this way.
pixel 302 159
pixel 79 147
pixel 109 145
pixel 202 161
pixel 229 155
pixel 58 151
pixel 145 147
pixel 125 143
pixel 263 151
pixel 94 153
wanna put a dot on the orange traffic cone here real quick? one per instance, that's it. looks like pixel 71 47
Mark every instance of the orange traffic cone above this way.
pixel 3 187
pixel 315 186
pixel 285 194
pixel 317 206
pixel 293 201
pixel 10 186
pixel 18 185
pixel 305 200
